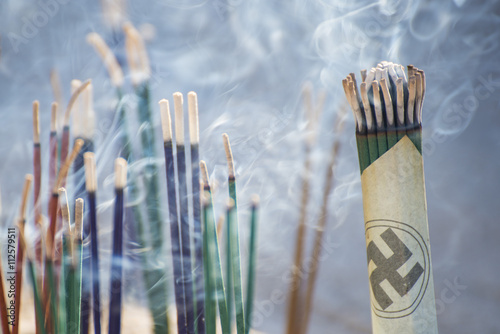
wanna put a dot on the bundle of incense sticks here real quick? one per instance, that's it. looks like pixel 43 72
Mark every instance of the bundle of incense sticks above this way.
pixel 388 112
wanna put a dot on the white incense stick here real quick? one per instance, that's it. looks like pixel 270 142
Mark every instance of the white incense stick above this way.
pixel 166 120
pixel 179 119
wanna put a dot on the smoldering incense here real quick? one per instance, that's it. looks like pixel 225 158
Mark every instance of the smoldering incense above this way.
pixel 234 246
pixel 91 186
pixel 194 134
pixel 320 230
pixel 175 236
pixel 185 228
pixel 222 297
pixel 115 303
pixel 251 264
pixel 20 251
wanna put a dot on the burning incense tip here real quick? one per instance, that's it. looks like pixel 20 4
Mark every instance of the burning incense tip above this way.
pixel 72 101
pixel 204 173
pixel 63 172
pixel 166 120
pixel 90 173
pixel 120 173
pixel 107 57
pixel 28 179
pixel 179 119
pixel 229 155
pixel 78 219
pixel 194 131
pixel 53 117
pixel 36 122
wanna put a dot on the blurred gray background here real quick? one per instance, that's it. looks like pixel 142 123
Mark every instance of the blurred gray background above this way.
pixel 248 61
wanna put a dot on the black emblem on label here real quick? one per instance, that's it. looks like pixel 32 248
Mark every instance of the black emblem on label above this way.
pixel 398 262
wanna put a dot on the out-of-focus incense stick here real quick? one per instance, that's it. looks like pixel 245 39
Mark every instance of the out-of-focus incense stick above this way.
pixel 251 263
pixel 55 82
pixel 194 134
pixel 67 282
pixel 4 321
pixel 234 235
pixel 219 281
pixel 185 228
pixel 312 116
pixel 20 252
pixel 320 229
pixel 175 235
pixel 209 268
pixel 91 186
pixel 78 263
pixel 107 57
pixel 115 300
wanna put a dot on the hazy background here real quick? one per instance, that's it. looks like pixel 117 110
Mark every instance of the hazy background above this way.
pixel 248 61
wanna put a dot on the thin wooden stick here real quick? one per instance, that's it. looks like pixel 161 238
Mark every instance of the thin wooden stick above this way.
pixel 320 229
pixel 108 58
pixel 185 226
pixel 251 264
pixel 175 235
pixel 91 186
pixel 20 252
pixel 194 134
pixel 115 301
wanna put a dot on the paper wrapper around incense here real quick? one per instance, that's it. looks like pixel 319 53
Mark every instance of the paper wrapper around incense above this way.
pixel 397 239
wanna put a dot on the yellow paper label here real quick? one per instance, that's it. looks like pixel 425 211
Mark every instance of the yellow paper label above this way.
pixel 397 239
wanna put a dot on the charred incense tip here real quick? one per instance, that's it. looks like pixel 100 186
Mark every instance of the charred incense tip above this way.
pixel 63 172
pixel 78 219
pixel 194 131
pixel 229 155
pixel 107 57
pixel 204 173
pixel 72 101
pixel 120 173
pixel 53 117
pixel 179 119
pixel 90 172
pixel 28 179
pixel 63 203
pixel 166 120
pixel 36 122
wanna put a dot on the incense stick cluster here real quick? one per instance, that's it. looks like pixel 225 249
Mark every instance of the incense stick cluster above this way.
pixel 387 106
pixel 65 268
pixel 300 301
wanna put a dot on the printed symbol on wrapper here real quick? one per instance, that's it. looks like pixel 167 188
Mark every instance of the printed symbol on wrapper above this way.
pixel 398 267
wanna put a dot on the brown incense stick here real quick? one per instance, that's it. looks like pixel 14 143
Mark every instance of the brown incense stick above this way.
pixel 294 301
pixel 320 229
pixel 20 254
pixel 108 58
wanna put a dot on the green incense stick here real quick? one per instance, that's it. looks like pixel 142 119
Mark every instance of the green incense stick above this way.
pixel 251 264
pixel 209 268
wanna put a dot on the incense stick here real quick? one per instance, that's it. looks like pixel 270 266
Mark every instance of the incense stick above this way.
pixel 185 228
pixel 116 261
pixel 251 263
pixel 78 261
pixel 194 134
pixel 209 268
pixel 108 58
pixel 66 286
pixel 20 252
pixel 53 160
pixel 175 235
pixel 320 229
pixel 222 298
pixel 91 186
pixel 40 313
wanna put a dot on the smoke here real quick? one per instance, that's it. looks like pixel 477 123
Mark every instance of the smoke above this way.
pixel 248 60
